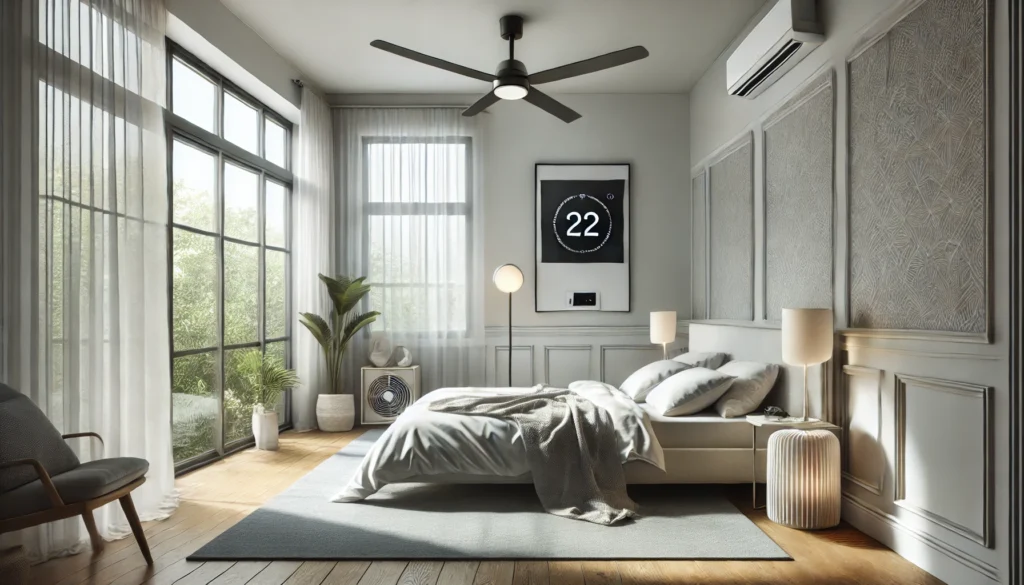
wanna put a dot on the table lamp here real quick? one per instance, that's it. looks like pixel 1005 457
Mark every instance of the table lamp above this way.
pixel 508 278
pixel 806 340
pixel 663 329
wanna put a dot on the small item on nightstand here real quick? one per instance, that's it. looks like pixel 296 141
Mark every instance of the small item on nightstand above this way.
pixel 775 412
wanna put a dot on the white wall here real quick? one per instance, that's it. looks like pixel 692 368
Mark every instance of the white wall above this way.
pixel 647 131
pixel 943 421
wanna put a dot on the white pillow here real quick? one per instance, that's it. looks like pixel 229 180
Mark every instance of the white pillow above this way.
pixel 640 382
pixel 702 359
pixel 753 382
pixel 689 391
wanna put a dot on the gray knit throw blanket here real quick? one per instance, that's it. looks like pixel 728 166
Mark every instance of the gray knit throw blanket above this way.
pixel 570 448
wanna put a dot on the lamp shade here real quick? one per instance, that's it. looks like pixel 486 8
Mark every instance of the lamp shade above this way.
pixel 508 278
pixel 663 326
pixel 806 336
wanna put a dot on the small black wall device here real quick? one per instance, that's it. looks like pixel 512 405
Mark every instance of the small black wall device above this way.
pixel 584 299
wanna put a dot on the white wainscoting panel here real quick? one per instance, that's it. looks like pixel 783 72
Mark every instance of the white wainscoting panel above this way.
pixel 863 454
pixel 943 454
pixel 560 355
pixel 567 363
pixel 619 361
pixel 522 365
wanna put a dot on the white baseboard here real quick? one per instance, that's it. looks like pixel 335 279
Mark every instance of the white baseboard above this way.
pixel 938 558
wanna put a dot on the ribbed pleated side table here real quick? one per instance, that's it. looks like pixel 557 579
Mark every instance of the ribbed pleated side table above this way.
pixel 804 479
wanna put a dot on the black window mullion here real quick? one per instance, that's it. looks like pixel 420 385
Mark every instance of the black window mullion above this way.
pixel 221 378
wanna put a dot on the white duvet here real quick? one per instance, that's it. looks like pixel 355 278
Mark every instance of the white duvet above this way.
pixel 422 442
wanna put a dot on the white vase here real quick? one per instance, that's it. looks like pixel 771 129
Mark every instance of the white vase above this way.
pixel 335 412
pixel 264 428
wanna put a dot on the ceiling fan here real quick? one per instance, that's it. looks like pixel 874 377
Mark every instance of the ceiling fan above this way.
pixel 511 81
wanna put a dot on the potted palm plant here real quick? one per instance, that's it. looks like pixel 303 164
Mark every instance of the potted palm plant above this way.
pixel 263 378
pixel 335 411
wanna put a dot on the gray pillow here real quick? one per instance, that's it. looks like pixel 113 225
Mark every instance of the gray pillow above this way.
pixel 689 391
pixel 754 381
pixel 640 382
pixel 702 359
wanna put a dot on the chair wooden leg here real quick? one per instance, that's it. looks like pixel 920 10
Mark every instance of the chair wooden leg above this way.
pixel 94 533
pixel 133 520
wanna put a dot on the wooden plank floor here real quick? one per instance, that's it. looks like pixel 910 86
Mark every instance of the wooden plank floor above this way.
pixel 216 497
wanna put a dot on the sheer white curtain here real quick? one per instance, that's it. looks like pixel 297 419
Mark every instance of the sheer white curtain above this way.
pixel 315 246
pixel 84 328
pixel 413 214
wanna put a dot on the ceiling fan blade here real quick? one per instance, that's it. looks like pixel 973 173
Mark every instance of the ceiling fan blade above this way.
pixel 432 61
pixel 481 104
pixel 551 105
pixel 606 61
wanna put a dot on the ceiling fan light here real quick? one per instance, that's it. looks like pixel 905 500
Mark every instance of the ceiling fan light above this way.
pixel 510 92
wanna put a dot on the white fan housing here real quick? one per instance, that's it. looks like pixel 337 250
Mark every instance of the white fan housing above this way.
pixel 386 392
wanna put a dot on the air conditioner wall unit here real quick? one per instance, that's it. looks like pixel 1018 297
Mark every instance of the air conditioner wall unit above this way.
pixel 787 34
pixel 387 392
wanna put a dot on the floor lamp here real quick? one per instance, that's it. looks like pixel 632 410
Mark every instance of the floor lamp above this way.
pixel 508 278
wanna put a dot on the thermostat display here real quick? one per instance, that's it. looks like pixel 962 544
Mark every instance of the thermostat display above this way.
pixel 582 300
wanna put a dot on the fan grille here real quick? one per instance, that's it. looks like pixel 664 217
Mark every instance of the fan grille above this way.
pixel 388 395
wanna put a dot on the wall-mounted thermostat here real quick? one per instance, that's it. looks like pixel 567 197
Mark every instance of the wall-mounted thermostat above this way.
pixel 582 301
pixel 582 237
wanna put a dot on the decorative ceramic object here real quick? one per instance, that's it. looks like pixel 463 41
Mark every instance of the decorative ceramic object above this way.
pixel 402 357
pixel 264 428
pixel 380 349
pixel 335 412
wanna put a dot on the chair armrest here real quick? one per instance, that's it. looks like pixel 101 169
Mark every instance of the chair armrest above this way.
pixel 87 434
pixel 44 477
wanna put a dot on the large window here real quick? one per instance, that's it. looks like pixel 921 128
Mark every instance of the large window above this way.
pixel 417 214
pixel 229 202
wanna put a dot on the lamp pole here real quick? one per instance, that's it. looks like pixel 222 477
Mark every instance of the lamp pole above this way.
pixel 510 340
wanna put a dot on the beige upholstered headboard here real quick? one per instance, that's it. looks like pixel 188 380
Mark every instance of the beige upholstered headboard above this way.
pixel 763 344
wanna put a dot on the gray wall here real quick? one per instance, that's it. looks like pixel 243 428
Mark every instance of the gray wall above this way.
pixel 925 447
pixel 650 132
pixel 647 131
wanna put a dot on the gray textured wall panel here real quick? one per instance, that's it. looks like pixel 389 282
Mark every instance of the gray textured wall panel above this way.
pixel 731 196
pixel 918 226
pixel 798 201
pixel 698 276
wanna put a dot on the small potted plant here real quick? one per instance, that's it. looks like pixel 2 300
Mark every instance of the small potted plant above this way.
pixel 264 378
pixel 334 411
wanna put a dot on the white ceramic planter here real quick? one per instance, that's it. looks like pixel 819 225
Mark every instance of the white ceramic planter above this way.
pixel 264 428
pixel 335 412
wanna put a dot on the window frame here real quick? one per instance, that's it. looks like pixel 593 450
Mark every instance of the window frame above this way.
pixel 465 209
pixel 179 129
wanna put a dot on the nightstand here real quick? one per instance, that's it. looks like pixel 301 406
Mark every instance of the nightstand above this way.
pixel 758 420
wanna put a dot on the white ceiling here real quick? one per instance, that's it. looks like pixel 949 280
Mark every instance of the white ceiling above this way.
pixel 329 40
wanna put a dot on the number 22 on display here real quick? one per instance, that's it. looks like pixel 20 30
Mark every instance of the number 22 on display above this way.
pixel 579 219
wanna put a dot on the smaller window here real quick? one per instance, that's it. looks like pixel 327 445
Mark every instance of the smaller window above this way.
pixel 193 96
pixel 275 142
pixel 241 123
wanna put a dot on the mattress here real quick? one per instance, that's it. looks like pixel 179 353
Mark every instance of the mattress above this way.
pixel 705 430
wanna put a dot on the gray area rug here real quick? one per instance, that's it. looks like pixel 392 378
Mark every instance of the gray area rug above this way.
pixel 420 521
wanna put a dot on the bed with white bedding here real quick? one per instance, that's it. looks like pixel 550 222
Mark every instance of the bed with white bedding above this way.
pixel 424 445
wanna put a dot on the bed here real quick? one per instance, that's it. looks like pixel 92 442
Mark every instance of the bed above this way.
pixel 702 448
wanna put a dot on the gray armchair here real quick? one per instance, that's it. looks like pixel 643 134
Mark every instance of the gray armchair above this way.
pixel 42 480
